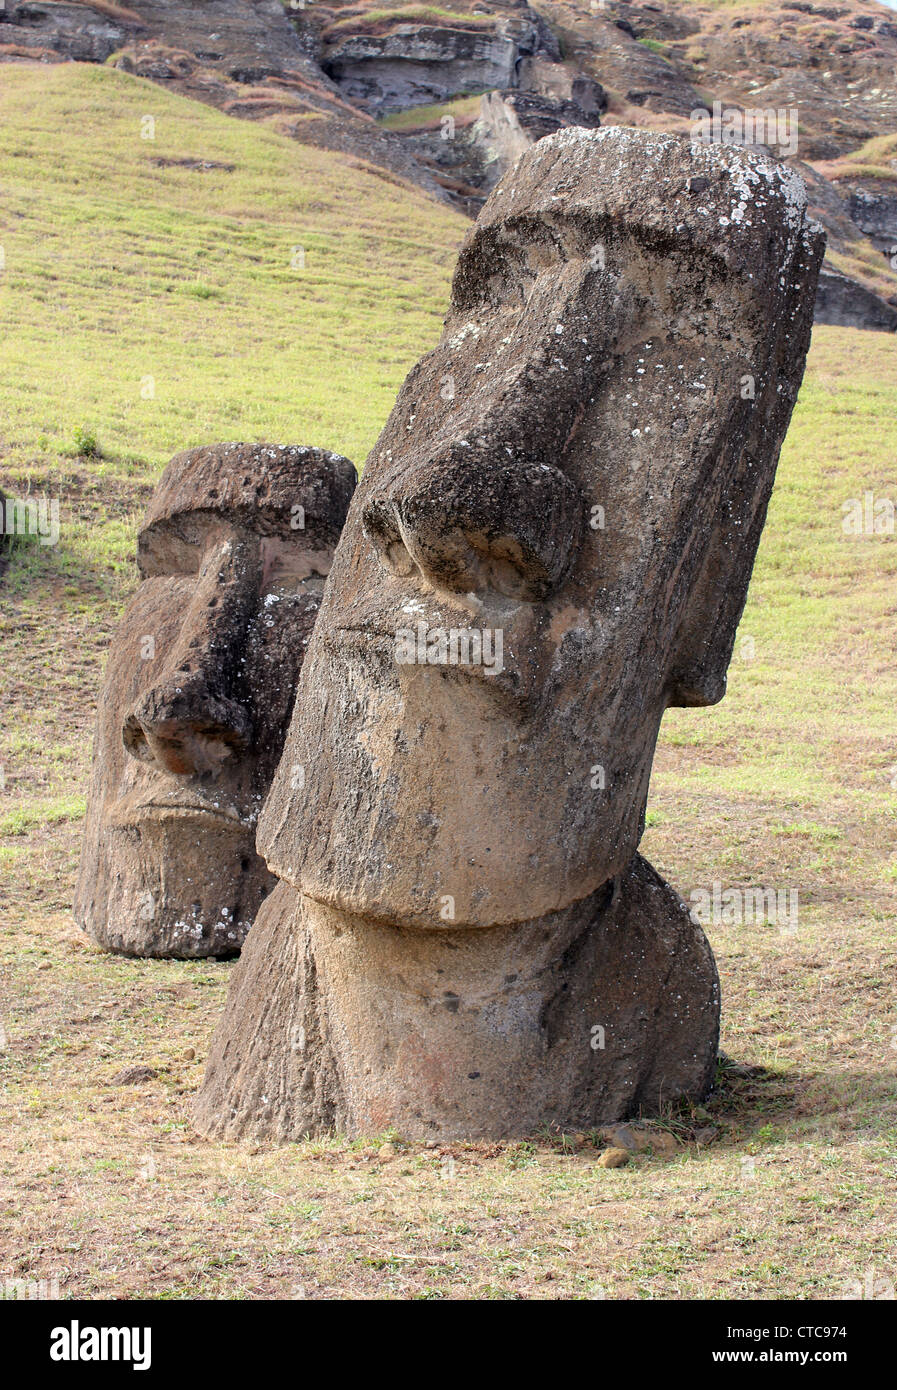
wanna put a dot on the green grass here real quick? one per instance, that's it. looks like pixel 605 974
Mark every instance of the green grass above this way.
pixel 463 109
pixel 42 813
pixel 876 160
pixel 170 307
pixel 810 680
pixel 411 14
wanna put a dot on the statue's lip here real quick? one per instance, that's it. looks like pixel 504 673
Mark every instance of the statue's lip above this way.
pixel 370 627
pixel 177 805
pixel 498 685
pixel 361 629
pixel 436 611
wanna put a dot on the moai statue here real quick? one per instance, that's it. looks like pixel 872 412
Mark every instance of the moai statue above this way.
pixel 198 694
pixel 551 543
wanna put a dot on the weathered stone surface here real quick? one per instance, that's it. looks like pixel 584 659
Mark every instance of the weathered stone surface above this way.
pixel 83 34
pixel 561 82
pixel 198 694
pixel 465 941
pixel 459 1033
pixel 635 72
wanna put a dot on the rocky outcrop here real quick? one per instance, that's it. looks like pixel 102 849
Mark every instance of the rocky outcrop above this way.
pixel 562 82
pixel 876 216
pixel 606 43
pixel 843 301
pixel 420 64
pixel 511 121
pixel 347 65
pixel 853 301
pixel 252 58
pixel 74 31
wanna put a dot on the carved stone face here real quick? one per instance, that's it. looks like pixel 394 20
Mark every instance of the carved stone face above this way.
pixel 198 693
pixel 578 473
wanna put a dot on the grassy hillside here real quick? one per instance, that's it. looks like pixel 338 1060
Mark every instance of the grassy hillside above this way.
pixel 125 261
pixel 784 1185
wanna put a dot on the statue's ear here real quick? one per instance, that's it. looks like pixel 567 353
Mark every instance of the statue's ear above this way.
pixel 703 647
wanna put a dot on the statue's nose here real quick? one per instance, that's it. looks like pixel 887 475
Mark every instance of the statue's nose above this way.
pixel 185 728
pixel 191 720
pixel 476 521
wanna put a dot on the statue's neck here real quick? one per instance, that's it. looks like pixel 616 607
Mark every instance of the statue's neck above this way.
pixel 574 1020
pixel 433 1030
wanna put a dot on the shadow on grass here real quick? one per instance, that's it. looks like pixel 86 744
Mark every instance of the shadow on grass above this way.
pixel 777 1104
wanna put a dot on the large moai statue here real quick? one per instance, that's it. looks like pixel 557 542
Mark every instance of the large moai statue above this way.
pixel 551 543
pixel 198 693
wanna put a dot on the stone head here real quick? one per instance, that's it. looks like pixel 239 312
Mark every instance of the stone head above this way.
pixel 198 693
pixel 553 536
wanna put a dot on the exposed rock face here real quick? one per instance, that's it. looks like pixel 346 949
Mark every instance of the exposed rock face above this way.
pixel 415 65
pixel 841 78
pixel 477 151
pixel 512 121
pixel 551 543
pixel 649 65
pixel 198 694
pixel 561 82
pixel 254 59
pixel 605 43
pixel 85 35
pixel 876 216
pixel 841 301
pixel 834 65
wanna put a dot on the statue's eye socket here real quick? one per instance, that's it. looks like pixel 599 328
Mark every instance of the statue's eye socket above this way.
pixel 178 546
pixel 172 557
pixel 397 559
pixel 381 528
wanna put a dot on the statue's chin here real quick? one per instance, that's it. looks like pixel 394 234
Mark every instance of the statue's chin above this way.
pixel 172 892
pixel 138 921
pixel 487 904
